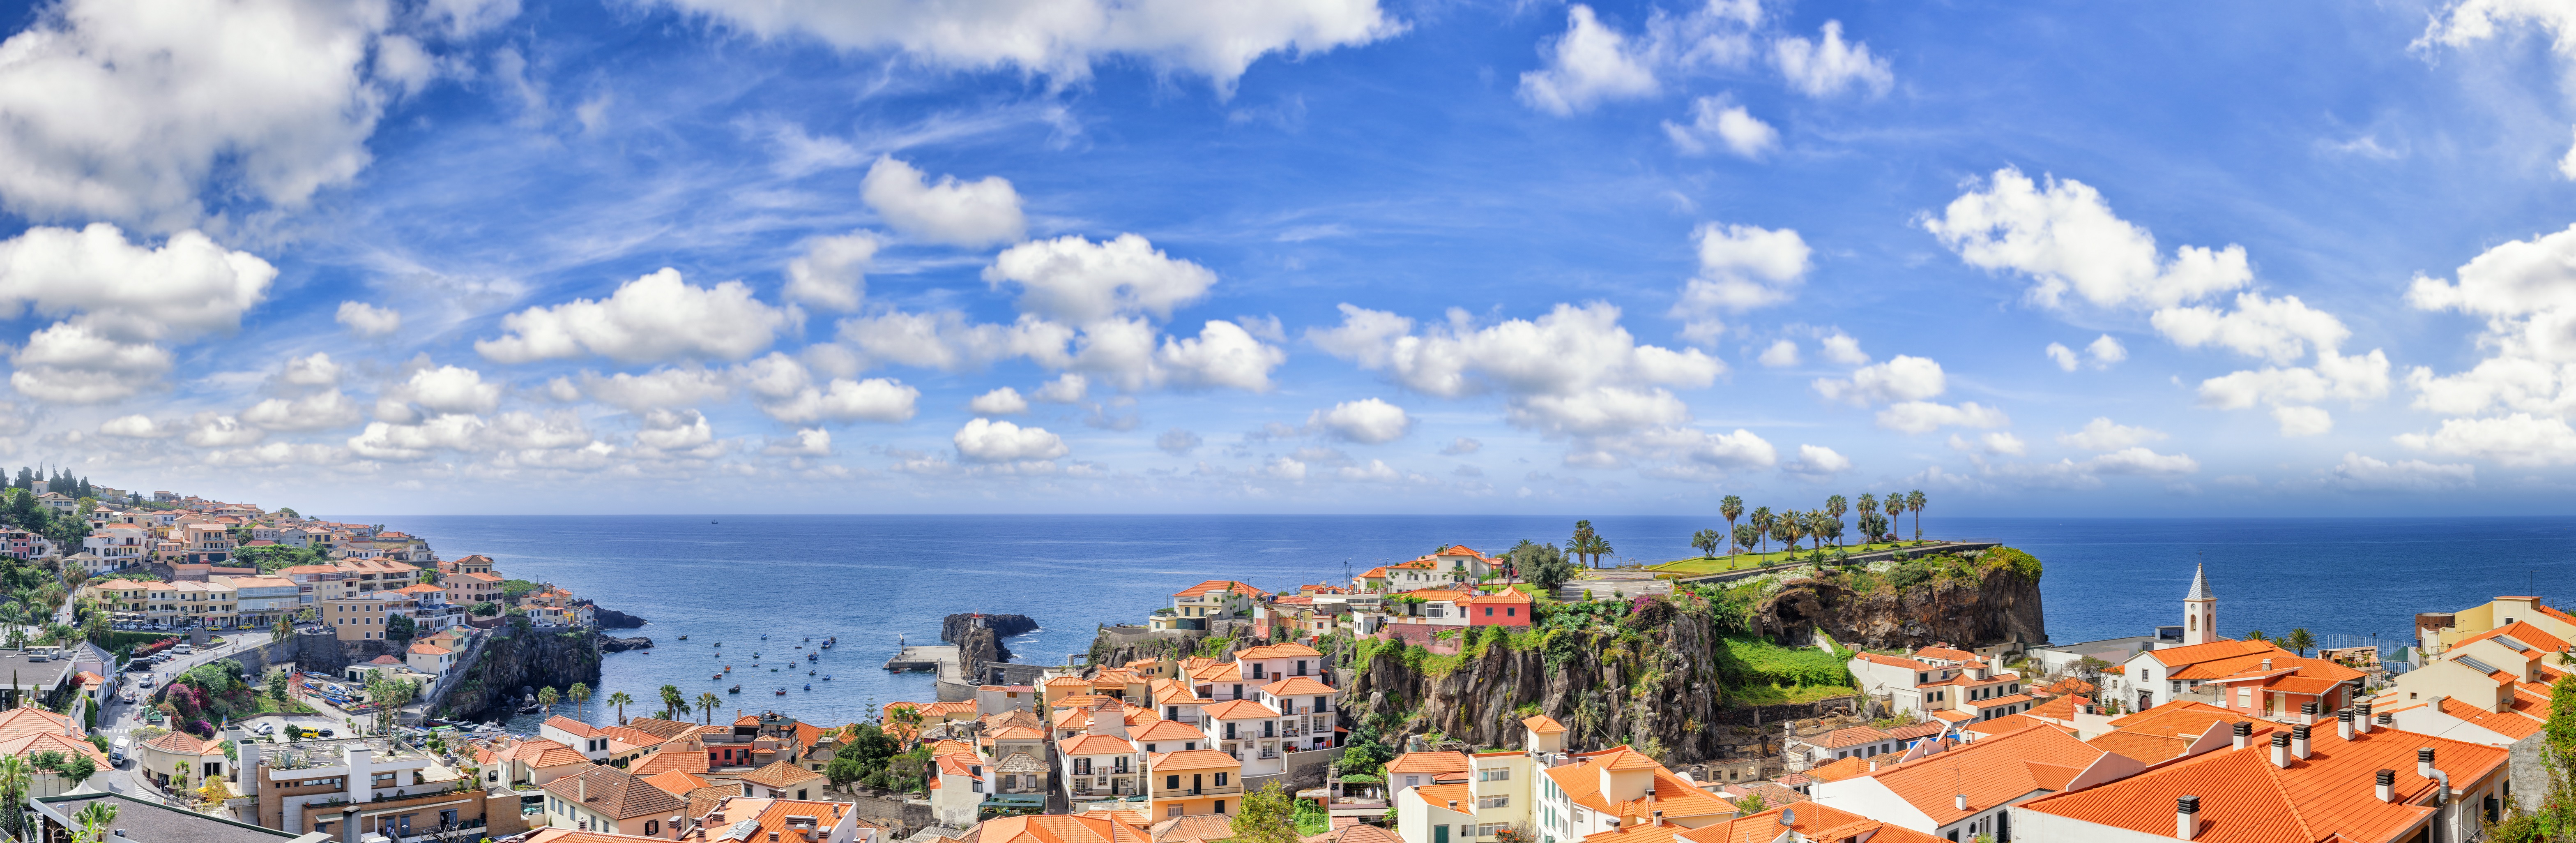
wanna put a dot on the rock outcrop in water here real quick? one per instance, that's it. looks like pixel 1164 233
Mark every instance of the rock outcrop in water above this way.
pixel 609 644
pixel 977 644
pixel 513 660
pixel 610 618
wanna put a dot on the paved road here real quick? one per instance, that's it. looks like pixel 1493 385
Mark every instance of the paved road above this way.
pixel 118 718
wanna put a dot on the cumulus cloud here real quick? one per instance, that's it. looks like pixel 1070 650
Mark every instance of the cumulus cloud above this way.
pixel 1222 355
pixel 1067 388
pixel 833 271
pixel 119 303
pixel 448 390
pixel 1829 65
pixel 2065 236
pixel 2000 443
pixel 213 430
pixel 1572 371
pixel 1080 281
pixel 2361 473
pixel 1780 354
pixel 1064 39
pixel 660 388
pixel 368 320
pixel 1718 122
pixel 677 433
pixel 1004 401
pixel 961 213
pixel 318 411
pixel 653 318
pixel 2140 460
pixel 129 110
pixel 2103 434
pixel 2278 330
pixel 1817 461
pixel 315 369
pixel 1588 64
pixel 1901 378
pixel 1927 416
pixel 1741 267
pixel 1839 347
pixel 2467 22
pixel 1368 421
pixel 2355 379
pixel 2519 439
pixel 844 400
pixel 133 427
pixel 988 441
pixel 2103 353
pixel 2303 421
pixel 1178 442
pixel 1462 446
pixel 809 442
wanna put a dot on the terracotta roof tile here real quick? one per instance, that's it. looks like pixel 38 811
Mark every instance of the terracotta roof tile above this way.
pixel 1428 762
pixel 2244 799
pixel 1543 724
pixel 615 793
pixel 1812 822
pixel 1190 759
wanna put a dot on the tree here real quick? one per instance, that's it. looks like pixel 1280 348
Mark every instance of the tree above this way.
pixel 1835 506
pixel 1580 546
pixel 486 609
pixel 1541 564
pixel 2255 635
pixel 674 703
pixel 2299 640
pixel 1746 534
pixel 95 820
pixel 214 792
pixel 2555 817
pixel 1732 507
pixel 400 628
pixel 1914 503
pixel 79 768
pixel 277 684
pixel 621 700
pixel 14 777
pixel 1788 530
pixel 1707 542
pixel 288 511
pixel 707 703
pixel 547 697
pixel 1268 816
pixel 1868 508
pixel 1751 804
pixel 281 630
pixel 579 693
pixel 1762 526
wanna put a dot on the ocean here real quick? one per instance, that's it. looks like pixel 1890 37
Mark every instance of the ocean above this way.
pixel 877 580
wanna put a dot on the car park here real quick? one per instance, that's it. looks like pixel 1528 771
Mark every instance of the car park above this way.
pixel 183 649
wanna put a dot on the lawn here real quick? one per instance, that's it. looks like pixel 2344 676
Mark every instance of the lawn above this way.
pixel 1740 561
pixel 1775 694
pixel 268 705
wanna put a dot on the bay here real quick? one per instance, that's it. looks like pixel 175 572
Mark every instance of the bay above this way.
pixel 875 580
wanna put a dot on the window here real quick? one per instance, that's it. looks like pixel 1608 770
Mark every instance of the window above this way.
pixel 1220 804
pixel 1175 811
pixel 1492 801
pixel 1497 774
pixel 1172 783
pixel 652 827
pixel 1489 611
pixel 1220 779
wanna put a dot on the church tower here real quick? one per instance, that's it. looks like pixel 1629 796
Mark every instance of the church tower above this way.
pixel 2199 611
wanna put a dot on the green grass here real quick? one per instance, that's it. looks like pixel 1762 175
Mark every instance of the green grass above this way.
pixel 269 705
pixel 1742 561
pixel 1776 695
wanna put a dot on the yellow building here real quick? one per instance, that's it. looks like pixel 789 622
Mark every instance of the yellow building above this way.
pixel 1193 782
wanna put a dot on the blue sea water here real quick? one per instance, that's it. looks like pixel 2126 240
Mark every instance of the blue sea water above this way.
pixel 874 580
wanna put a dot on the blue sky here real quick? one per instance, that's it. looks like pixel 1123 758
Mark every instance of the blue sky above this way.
pixel 1316 255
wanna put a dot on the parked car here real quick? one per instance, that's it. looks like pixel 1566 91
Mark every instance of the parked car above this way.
pixel 128 696
pixel 146 684
pixel 183 649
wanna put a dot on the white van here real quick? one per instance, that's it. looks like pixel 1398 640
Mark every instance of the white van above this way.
pixel 116 751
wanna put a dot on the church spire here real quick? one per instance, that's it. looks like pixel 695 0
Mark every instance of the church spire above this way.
pixel 2200 584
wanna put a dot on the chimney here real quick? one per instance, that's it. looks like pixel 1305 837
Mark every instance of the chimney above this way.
pixel 2361 717
pixel 2386 719
pixel 1873 765
pixel 2299 741
pixel 581 788
pixel 2267 664
pixel 2387 785
pixel 1961 801
pixel 2186 817
pixel 2343 723
pixel 2424 762
pixel 2244 733
pixel 2308 713
pixel 1659 818
pixel 2281 750
pixel 349 824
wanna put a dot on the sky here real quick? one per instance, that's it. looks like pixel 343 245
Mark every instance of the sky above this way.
pixel 1383 256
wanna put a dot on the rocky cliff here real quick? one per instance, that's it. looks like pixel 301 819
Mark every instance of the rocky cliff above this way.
pixel 513 666
pixel 1663 674
pixel 611 618
pixel 979 644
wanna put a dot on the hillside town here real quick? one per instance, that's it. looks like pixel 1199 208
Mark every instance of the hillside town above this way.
pixel 1229 714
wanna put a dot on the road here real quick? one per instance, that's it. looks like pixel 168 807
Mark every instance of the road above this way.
pixel 118 719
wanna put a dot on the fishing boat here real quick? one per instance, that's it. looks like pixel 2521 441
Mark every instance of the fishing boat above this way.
pixel 764 636
pixel 718 677
pixel 719 643
pixel 809 686
pixel 684 638
pixel 734 690
pixel 782 692
pixel 813 657
pixel 827 677
pixel 728 668
pixel 809 673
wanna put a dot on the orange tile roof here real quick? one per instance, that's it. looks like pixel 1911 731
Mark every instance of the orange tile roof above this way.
pixel 1190 759
pixel 1991 771
pixel 1543 724
pixel 1507 595
pixel 781 774
pixel 1057 828
pixel 1170 730
pixel 2003 725
pixel 1838 770
pixel 2141 746
pixel 662 762
pixel 1813 822
pixel 1678 799
pixel 1220 585
pixel 1428 762
pixel 1095 745
pixel 1854 736
pixel 1278 651
pixel 577 728
pixel 1237 710
pixel 1297 686
pixel 2511 722
pixel 676 783
pixel 2521 631
pixel 1945 654
pixel 2185 719
pixel 1460 550
pixel 1894 661
pixel 1019 733
pixel 2219 649
pixel 2244 799
pixel 2059 708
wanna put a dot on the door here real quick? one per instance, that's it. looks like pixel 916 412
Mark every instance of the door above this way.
pixel 1439 834
pixel 2003 827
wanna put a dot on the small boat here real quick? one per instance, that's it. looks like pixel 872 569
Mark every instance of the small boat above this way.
pixel 782 692
pixel 684 638
pixel 718 677
pixel 734 690
pixel 809 686
pixel 719 643
pixel 827 677
pixel 813 657
pixel 764 636
pixel 728 668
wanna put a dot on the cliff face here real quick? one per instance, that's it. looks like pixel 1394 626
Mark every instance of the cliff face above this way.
pixel 1998 608
pixel 977 645
pixel 533 660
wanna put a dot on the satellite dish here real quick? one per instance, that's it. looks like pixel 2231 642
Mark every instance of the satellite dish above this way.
pixel 1788 816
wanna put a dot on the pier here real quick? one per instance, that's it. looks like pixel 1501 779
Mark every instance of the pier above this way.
pixel 934 657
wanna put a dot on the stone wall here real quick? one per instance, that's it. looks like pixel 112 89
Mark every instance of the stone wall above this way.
pixel 903 816
pixel 1302 770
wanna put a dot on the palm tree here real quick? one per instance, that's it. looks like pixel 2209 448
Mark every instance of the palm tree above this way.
pixel 1816 527
pixel 707 703
pixel 14 776
pixel 2300 640
pixel 1762 526
pixel 1835 506
pixel 579 693
pixel 1580 546
pixel 621 700
pixel 1730 506
pixel 1786 528
pixel 1745 534
pixel 96 819
pixel 1914 503
pixel 1868 506
pixel 673 703
pixel 547 697
pixel 1707 541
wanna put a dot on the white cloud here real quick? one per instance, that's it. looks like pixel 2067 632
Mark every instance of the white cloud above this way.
pixel 212 430
pixel 987 441
pixel 1927 416
pixel 1222 355
pixel 318 411
pixel 1178 442
pixel 1901 378
pixel 845 400
pixel 833 271
pixel 1741 267
pixel 127 109
pixel 1368 421
pixel 133 427
pixel 2303 421
pixel 674 432
pixel 1462 446
pixel 2064 357
pixel 961 213
pixel 2520 439
pixel 652 318
pixel 2357 378
pixel 809 442
pixel 1998 443
pixel 2107 352
pixel 1067 388
pixel 946 341
pixel 2278 330
pixel 1684 453
pixel 2067 239
pixel 1212 38
pixel 1283 468
pixel 1572 371
pixel 666 387
pixel 118 302
pixel 2103 434
pixel 315 369
pixel 1781 354
pixel 1080 281
pixel 2366 474
pixel 368 320
pixel 449 389
pixel 2139 460
pixel 1841 348
pixel 1829 65
pixel 1817 461
pixel 1717 121
pixel 999 402
pixel 1590 63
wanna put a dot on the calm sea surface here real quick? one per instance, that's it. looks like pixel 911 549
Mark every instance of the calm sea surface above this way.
pixel 874 580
